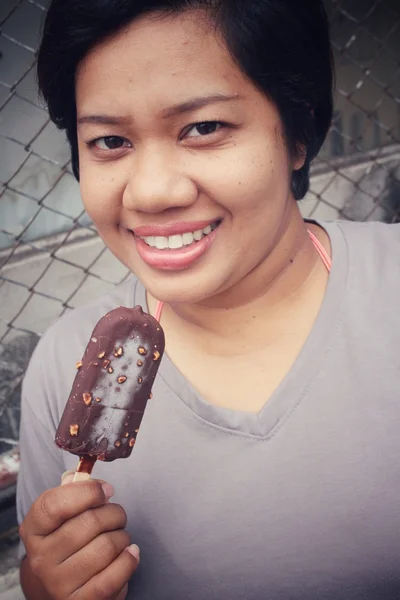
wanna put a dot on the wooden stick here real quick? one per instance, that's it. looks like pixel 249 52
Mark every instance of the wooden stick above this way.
pixel 84 468
pixel 81 477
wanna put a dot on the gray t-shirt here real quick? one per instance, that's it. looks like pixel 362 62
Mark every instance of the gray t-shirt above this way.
pixel 298 502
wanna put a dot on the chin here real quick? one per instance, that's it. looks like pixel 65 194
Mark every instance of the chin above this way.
pixel 178 294
pixel 178 289
pixel 192 285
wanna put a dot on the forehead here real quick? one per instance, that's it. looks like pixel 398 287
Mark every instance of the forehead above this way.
pixel 161 58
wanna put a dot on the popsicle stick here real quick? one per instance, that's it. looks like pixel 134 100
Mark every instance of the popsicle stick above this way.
pixel 81 476
pixel 84 468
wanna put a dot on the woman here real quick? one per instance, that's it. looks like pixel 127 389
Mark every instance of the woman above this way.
pixel 267 464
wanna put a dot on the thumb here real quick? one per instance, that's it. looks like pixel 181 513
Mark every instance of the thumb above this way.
pixel 123 593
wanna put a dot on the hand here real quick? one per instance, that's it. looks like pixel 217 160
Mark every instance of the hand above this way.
pixel 76 542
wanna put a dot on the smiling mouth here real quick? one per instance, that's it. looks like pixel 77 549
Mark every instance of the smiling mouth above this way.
pixel 176 242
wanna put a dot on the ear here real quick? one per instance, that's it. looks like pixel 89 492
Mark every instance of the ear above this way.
pixel 300 158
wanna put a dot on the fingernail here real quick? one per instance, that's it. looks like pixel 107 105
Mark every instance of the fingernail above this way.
pixel 134 550
pixel 108 490
pixel 66 474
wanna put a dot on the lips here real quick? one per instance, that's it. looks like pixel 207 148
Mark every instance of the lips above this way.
pixel 177 241
pixel 172 228
pixel 175 247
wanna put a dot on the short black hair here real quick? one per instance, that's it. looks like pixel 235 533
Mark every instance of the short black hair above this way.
pixel 283 46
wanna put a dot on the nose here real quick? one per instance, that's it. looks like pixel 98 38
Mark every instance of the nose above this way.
pixel 157 183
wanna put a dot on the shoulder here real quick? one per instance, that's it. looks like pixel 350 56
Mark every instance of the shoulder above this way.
pixel 371 232
pixel 373 250
pixel 53 364
pixel 373 239
pixel 372 277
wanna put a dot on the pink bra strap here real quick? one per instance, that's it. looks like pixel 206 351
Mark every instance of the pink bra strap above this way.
pixel 160 306
pixel 326 259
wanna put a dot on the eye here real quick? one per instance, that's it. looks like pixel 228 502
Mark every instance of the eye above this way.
pixel 110 142
pixel 203 129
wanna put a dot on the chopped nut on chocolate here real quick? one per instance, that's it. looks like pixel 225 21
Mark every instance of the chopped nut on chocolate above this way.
pixel 87 398
pixel 132 442
pixel 118 443
pixel 74 430
pixel 79 364
pixel 140 379
pixel 151 395
pixel 118 352
pixel 122 379
pixel 142 351
pixel 106 363
pixel 139 363
pixel 156 355
pixel 110 370
pixel 101 355
pixel 98 399
pixel 127 434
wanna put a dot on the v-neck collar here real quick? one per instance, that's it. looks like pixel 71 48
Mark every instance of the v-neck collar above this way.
pixel 295 384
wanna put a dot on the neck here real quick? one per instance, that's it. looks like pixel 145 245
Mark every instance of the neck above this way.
pixel 262 301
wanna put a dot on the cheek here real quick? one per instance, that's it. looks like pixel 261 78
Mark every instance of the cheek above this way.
pixel 101 195
pixel 253 178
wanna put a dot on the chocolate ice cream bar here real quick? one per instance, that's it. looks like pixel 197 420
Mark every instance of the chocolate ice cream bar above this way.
pixel 112 386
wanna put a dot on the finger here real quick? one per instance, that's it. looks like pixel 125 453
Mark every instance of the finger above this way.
pixel 111 582
pixel 56 506
pixel 123 594
pixel 95 557
pixel 78 532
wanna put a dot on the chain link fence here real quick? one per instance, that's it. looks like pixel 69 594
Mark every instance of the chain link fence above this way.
pixel 51 258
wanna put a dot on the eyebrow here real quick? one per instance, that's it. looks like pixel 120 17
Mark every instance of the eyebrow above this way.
pixel 196 103
pixel 178 109
pixel 103 120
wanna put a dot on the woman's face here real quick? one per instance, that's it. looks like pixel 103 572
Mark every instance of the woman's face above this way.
pixel 183 166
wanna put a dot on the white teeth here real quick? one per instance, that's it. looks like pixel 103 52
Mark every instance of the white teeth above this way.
pixel 151 241
pixel 161 242
pixel 174 242
pixel 188 239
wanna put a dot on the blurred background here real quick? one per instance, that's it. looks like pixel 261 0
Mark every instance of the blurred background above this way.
pixel 51 258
